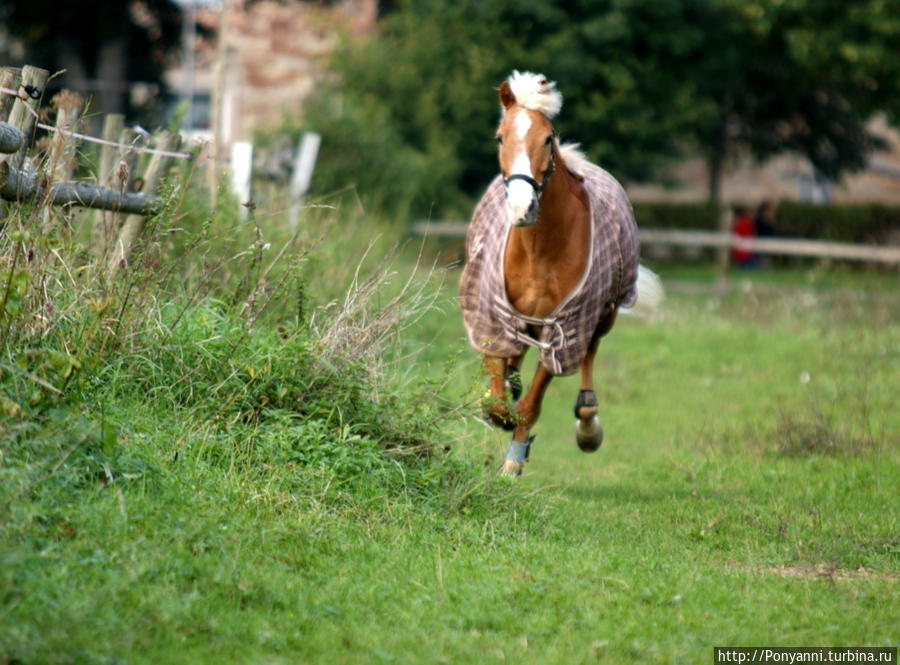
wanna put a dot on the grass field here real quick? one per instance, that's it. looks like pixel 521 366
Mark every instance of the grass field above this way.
pixel 746 494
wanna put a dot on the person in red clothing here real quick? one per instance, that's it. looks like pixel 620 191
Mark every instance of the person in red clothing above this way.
pixel 743 226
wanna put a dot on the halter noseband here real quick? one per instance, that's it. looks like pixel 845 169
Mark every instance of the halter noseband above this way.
pixel 538 186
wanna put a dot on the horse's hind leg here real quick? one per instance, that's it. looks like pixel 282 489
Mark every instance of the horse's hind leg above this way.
pixel 588 432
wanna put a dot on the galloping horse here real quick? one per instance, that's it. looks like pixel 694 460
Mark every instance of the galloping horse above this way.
pixel 551 257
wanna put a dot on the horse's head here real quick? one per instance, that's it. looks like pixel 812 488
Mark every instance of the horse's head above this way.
pixel 527 142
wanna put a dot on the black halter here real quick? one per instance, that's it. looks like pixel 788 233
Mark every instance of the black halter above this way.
pixel 538 186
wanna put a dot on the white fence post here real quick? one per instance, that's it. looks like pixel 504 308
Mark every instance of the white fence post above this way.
pixel 304 164
pixel 241 170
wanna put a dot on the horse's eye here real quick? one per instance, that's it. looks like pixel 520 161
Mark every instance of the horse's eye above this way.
pixel 549 140
pixel 499 139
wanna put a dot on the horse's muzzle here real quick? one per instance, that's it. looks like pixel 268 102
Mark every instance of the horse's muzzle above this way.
pixel 526 218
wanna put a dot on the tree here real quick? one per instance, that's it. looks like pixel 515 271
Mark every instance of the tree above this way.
pixel 723 76
pixel 647 82
pixel 429 80
pixel 408 119
pixel 102 45
pixel 804 76
pixel 628 68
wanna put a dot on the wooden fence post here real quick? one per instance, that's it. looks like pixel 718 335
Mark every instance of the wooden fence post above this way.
pixel 124 165
pixel 9 79
pixel 219 93
pixel 69 106
pixel 113 124
pixel 23 114
pixel 61 155
pixel 133 226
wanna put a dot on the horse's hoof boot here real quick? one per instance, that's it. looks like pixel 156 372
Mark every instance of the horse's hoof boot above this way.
pixel 586 398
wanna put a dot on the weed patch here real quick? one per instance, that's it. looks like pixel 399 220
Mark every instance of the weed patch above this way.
pixel 817 433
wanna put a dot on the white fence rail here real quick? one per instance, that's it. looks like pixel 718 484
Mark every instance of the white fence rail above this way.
pixel 686 238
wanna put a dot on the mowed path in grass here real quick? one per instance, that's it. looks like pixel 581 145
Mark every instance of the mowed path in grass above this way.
pixel 746 493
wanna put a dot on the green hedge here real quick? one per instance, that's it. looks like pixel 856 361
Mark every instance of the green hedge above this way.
pixel 860 223
pixel 867 223
pixel 699 216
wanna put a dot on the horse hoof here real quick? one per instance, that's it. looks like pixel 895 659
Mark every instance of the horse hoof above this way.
pixel 496 412
pixel 502 420
pixel 511 468
pixel 588 434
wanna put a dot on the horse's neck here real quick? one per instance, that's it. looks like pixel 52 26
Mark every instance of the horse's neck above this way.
pixel 562 215
pixel 545 262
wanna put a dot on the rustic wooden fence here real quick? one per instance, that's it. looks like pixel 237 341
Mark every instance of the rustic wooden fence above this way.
pixel 123 200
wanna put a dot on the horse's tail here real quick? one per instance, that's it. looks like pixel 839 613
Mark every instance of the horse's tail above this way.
pixel 650 293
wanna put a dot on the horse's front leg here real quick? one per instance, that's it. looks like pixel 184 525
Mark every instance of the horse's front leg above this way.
pixel 527 411
pixel 496 407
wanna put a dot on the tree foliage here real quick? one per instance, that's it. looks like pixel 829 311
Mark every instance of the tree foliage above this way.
pixel 646 82
pixel 803 76
pixel 102 45
pixel 407 120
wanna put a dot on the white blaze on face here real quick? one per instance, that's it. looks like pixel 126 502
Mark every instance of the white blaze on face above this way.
pixel 519 194
pixel 523 124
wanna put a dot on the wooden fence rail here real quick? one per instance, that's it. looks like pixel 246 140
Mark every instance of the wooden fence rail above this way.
pixel 18 186
pixel 11 138
pixel 688 238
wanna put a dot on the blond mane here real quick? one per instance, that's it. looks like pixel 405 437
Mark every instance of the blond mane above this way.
pixel 573 157
pixel 535 92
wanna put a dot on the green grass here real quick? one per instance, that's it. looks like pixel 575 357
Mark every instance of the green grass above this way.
pixel 745 494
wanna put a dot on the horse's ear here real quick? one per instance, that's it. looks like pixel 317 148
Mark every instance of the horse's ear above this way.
pixel 507 98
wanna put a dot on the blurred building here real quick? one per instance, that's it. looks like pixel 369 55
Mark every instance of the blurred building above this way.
pixel 271 57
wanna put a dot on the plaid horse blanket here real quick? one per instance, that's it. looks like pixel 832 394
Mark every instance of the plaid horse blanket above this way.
pixel 495 328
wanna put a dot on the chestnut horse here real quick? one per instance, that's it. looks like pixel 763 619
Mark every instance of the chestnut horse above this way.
pixel 552 256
